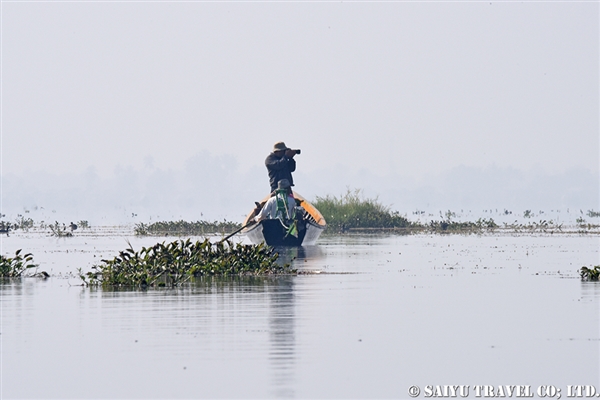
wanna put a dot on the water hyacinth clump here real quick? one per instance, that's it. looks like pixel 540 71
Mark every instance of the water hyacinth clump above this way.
pixel 14 267
pixel 542 226
pixel 175 228
pixel 175 263
pixel 59 230
pixel 590 274
pixel 448 225
pixel 84 224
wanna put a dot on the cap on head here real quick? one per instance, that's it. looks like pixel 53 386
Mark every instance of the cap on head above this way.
pixel 280 146
pixel 283 184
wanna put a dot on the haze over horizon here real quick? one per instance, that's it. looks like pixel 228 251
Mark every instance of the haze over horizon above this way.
pixel 111 108
pixel 146 194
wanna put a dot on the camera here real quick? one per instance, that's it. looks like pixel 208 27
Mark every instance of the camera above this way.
pixel 296 150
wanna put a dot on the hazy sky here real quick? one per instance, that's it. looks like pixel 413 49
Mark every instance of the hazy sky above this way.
pixel 408 88
pixel 376 94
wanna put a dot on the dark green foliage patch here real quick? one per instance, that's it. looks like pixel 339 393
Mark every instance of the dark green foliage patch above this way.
pixel 590 274
pixel 174 263
pixel 14 267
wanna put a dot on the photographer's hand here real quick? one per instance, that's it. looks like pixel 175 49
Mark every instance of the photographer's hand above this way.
pixel 289 153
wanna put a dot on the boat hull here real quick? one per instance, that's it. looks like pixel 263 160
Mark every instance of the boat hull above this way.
pixel 274 233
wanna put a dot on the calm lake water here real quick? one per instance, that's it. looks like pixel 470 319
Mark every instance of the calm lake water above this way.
pixel 385 313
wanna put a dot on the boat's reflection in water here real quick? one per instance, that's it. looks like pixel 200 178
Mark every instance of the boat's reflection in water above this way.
pixel 282 317
pixel 294 255
pixel 282 337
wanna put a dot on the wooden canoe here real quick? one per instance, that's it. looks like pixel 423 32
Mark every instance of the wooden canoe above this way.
pixel 274 233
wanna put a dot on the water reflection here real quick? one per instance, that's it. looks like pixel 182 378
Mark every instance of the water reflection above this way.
pixel 507 312
pixel 289 254
pixel 590 291
pixel 249 314
pixel 282 352
pixel 282 317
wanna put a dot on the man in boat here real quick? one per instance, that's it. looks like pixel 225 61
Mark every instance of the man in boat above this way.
pixel 280 164
pixel 282 205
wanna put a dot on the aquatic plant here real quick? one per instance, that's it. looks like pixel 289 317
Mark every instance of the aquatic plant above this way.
pixel 593 214
pixel 448 225
pixel 584 226
pixel 83 224
pixel 546 226
pixel 23 223
pixel 59 230
pixel 590 274
pixel 180 228
pixel 5 227
pixel 14 267
pixel 352 210
pixel 450 214
pixel 177 262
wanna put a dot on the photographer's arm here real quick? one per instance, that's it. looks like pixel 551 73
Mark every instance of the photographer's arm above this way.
pixel 279 163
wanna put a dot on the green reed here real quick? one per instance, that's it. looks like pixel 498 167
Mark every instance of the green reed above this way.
pixel 14 267
pixel 180 228
pixel 353 210
pixel 171 264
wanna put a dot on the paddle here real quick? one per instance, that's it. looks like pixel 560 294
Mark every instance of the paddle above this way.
pixel 238 231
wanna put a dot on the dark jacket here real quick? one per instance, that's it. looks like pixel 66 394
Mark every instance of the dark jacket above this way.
pixel 280 168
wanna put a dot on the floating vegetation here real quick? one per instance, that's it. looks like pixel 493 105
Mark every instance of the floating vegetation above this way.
pixel 23 223
pixel 5 227
pixel 585 227
pixel 169 265
pixel 448 225
pixel 352 210
pixel 83 224
pixel 14 267
pixel 59 230
pixel 590 274
pixel 182 228
pixel 546 226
